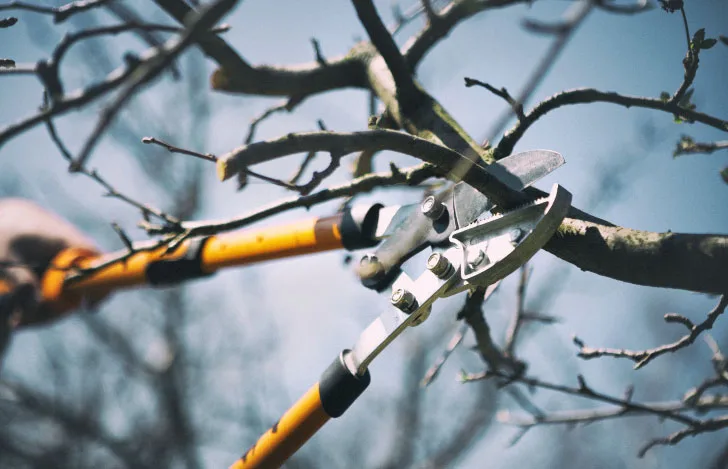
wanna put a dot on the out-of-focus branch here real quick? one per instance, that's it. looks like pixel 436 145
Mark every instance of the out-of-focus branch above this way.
pixel 60 13
pixel 519 314
pixel 296 82
pixel 408 94
pixel 447 19
pixel 643 357
pixel 197 25
pixel 288 105
pixel 82 424
pixel 146 209
pixel 570 417
pixel 583 390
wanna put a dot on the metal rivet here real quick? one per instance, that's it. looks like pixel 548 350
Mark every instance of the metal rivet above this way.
pixel 431 208
pixel 439 265
pixel 403 299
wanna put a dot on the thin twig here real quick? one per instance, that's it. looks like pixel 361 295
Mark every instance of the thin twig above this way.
pixel 643 357
pixel 146 209
pixel 201 21
pixel 687 145
pixel 288 105
pixel 60 13
pixel 583 390
pixel 501 93
pixel 518 316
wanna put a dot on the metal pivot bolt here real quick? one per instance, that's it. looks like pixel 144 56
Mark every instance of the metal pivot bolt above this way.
pixel 439 265
pixel 515 235
pixel 370 267
pixel 403 299
pixel 431 208
pixel 476 257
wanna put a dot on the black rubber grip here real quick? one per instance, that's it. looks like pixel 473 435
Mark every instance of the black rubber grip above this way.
pixel 339 388
pixel 186 267
pixel 358 234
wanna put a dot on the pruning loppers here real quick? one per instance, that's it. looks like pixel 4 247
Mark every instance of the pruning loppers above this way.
pixel 467 254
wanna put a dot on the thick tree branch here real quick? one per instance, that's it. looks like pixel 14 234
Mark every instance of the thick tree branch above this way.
pixel 686 261
pixel 296 82
pixel 696 262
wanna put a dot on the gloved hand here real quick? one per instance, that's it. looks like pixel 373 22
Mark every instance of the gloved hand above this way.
pixel 30 237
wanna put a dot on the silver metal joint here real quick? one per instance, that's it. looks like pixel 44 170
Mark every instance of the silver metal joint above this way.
pixel 370 267
pixel 403 299
pixel 431 208
pixel 439 265
pixel 476 257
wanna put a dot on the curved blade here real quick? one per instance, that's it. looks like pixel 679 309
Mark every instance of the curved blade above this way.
pixel 517 171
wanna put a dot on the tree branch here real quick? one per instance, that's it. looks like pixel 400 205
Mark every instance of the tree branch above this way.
pixel 643 357
pixel 590 95
pixel 197 25
pixel 61 13
pixel 407 93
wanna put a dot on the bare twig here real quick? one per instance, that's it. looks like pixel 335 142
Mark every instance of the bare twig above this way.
pixel 704 426
pixel 570 417
pixel 501 93
pixel 310 156
pixel 407 176
pixel 8 22
pixel 60 13
pixel 434 370
pixel 146 209
pixel 643 357
pixel 124 237
pixel 288 105
pixel 518 316
pixel 564 31
pixel 320 59
pixel 583 390
pixel 173 149
pixel 590 95
pixel 201 21
pixel 386 46
pixel 687 145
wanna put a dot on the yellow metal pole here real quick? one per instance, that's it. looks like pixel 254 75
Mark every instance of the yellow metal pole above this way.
pixel 232 249
pixel 287 435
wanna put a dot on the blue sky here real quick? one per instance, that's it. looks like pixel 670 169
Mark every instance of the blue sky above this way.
pixel 646 189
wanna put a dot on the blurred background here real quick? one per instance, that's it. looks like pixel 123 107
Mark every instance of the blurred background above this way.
pixel 190 376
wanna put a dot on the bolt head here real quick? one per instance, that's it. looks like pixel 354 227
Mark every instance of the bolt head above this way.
pixel 370 267
pixel 516 235
pixel 438 264
pixel 403 299
pixel 431 208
